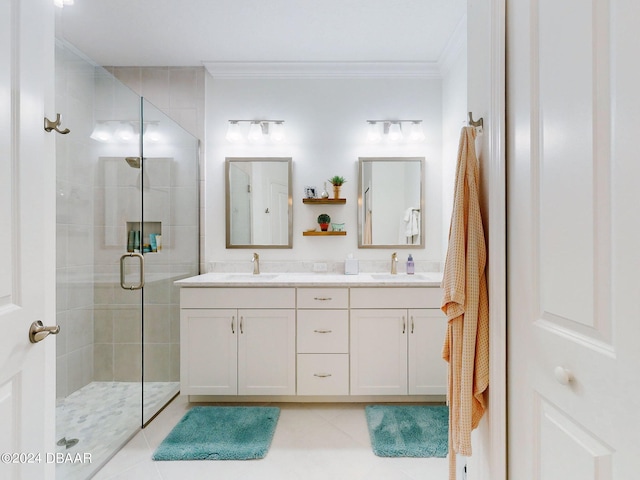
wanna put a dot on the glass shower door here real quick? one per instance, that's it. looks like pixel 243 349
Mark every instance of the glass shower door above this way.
pixel 170 245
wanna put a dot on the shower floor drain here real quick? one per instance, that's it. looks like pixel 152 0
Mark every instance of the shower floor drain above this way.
pixel 67 443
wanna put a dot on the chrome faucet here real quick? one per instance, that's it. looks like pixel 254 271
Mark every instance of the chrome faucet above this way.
pixel 394 263
pixel 256 263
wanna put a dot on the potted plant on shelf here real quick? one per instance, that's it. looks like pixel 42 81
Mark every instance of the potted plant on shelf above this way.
pixel 337 182
pixel 324 220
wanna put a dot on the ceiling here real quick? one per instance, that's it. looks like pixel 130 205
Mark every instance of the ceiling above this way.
pixel 193 32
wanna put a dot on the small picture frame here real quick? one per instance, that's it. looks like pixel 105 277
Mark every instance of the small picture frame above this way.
pixel 310 192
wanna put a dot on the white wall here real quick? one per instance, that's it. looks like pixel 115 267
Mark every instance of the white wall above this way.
pixel 325 122
pixel 454 116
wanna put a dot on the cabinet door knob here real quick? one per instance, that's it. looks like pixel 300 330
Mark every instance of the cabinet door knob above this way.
pixel 563 376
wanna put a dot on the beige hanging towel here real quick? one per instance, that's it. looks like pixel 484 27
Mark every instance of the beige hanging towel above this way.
pixel 465 302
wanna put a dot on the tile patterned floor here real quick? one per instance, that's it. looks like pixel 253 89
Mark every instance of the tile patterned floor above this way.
pixel 311 442
pixel 102 416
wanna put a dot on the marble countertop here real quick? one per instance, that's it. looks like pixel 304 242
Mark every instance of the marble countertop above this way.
pixel 423 279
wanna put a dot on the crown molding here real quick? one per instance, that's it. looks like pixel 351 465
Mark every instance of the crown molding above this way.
pixel 247 70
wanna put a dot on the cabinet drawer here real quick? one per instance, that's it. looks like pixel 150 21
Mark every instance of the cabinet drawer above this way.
pixel 323 297
pixel 322 331
pixel 323 374
pixel 214 297
pixel 396 297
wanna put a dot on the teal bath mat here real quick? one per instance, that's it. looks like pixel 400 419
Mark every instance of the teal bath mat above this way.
pixel 220 433
pixel 408 431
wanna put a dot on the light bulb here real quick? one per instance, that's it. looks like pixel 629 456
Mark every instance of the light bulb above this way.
pixel 255 132
pixel 233 132
pixel 373 133
pixel 125 131
pixel 152 133
pixel 101 132
pixel 277 132
pixel 416 134
pixel 395 132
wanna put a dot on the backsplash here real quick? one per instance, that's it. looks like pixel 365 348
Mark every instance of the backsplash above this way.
pixel 366 266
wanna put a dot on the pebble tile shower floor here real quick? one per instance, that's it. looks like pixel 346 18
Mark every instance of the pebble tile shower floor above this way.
pixel 102 416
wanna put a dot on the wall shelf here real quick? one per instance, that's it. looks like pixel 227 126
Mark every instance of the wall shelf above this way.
pixel 325 201
pixel 315 233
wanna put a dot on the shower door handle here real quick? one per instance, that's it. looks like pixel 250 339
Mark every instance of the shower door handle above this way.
pixel 141 283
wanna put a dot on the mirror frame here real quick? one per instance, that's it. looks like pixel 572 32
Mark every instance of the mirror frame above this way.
pixel 361 162
pixel 228 161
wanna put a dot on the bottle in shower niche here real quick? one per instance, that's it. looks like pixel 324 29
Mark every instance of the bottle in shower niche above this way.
pixel 411 267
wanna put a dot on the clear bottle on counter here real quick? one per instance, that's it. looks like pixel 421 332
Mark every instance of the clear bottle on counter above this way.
pixel 411 267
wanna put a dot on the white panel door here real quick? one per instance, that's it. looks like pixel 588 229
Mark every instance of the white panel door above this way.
pixel 378 352
pixel 427 369
pixel 27 239
pixel 208 351
pixel 267 352
pixel 573 239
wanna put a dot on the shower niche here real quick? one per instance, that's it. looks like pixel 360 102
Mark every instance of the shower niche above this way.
pixel 144 237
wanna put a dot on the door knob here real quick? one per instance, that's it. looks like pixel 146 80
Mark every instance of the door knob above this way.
pixel 563 376
pixel 38 331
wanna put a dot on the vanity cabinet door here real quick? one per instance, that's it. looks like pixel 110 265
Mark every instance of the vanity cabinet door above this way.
pixel 208 352
pixel 427 369
pixel 266 352
pixel 379 352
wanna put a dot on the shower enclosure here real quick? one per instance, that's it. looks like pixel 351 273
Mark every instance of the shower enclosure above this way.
pixel 127 228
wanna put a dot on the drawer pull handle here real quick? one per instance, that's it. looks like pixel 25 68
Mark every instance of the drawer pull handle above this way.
pixel 412 324
pixel 233 321
pixel 322 375
pixel 241 327
pixel 404 324
pixel 322 331
pixel 322 299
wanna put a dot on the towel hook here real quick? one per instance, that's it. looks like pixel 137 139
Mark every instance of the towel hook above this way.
pixel 53 125
pixel 476 123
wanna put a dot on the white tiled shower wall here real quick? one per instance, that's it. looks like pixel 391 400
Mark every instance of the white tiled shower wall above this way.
pixel 180 93
pixel 74 218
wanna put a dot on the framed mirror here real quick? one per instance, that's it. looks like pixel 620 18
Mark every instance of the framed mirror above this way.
pixel 258 197
pixel 391 202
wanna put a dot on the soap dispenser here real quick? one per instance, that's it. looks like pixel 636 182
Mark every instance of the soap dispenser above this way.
pixel 411 267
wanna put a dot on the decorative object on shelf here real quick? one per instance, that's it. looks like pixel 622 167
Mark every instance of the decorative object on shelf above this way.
pixel 258 130
pixel 324 193
pixel 325 201
pixel 310 192
pixel 337 227
pixel 337 182
pixel 393 131
pixel 323 221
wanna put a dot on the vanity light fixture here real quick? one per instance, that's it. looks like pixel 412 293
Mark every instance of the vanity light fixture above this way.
pixel 114 131
pixel 259 130
pixel 393 131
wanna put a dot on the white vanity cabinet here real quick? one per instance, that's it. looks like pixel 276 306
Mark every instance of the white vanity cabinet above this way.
pixel 237 341
pixel 323 341
pixel 396 342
